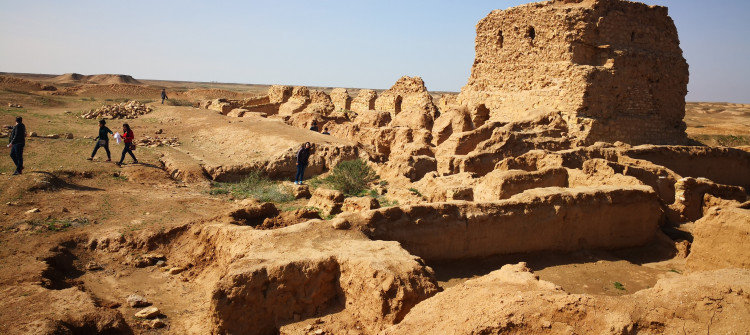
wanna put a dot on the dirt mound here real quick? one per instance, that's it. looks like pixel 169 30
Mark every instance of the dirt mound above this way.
pixel 101 79
pixel 108 79
pixel 19 84
pixel 69 78
pixel 143 174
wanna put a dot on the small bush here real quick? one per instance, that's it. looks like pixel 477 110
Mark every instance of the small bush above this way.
pixel 218 191
pixel 255 185
pixel 415 191
pixel 385 202
pixel 315 182
pixel 351 177
pixel 619 286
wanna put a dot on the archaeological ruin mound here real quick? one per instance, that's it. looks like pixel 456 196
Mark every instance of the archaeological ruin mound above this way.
pixel 555 194
pixel 614 68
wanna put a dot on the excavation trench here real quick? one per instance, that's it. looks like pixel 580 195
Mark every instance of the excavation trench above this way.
pixel 235 278
pixel 216 277
pixel 583 239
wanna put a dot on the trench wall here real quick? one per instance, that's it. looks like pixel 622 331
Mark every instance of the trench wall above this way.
pixel 552 219
pixel 721 165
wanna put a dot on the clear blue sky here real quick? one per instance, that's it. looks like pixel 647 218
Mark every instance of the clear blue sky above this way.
pixel 319 43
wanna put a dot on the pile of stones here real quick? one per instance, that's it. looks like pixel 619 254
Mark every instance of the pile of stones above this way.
pixel 124 110
pixel 148 141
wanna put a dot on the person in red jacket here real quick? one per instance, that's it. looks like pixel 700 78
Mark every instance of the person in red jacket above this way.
pixel 127 136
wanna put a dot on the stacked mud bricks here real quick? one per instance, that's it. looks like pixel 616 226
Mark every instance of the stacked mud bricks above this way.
pixel 614 68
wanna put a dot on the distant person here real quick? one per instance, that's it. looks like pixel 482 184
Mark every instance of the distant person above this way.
pixel 17 142
pixel 164 95
pixel 325 131
pixel 102 140
pixel 314 126
pixel 127 136
pixel 302 159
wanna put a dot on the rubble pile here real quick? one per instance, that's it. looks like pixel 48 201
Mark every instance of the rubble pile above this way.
pixel 124 110
pixel 148 141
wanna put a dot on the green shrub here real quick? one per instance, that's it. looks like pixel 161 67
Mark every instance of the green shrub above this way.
pixel 255 185
pixel 415 191
pixel 315 182
pixel 351 177
pixel 385 202
pixel 619 286
pixel 218 191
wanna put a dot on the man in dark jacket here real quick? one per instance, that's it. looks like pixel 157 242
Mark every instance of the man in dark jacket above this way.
pixel 17 141
pixel 163 95
pixel 303 156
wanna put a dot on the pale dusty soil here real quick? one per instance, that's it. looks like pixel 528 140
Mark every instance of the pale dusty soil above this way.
pixel 717 118
pixel 583 272
pixel 138 198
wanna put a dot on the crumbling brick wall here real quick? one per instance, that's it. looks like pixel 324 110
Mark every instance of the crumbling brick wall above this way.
pixel 409 103
pixel 614 67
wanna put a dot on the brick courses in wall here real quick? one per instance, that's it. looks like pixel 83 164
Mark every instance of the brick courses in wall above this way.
pixel 615 68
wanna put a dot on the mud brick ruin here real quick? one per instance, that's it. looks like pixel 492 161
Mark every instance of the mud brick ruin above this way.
pixel 615 68
pixel 519 205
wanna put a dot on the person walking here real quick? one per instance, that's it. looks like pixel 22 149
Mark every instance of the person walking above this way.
pixel 302 159
pixel 16 144
pixel 102 140
pixel 164 95
pixel 127 137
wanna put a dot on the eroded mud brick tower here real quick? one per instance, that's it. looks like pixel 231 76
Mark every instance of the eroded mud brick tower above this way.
pixel 613 68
